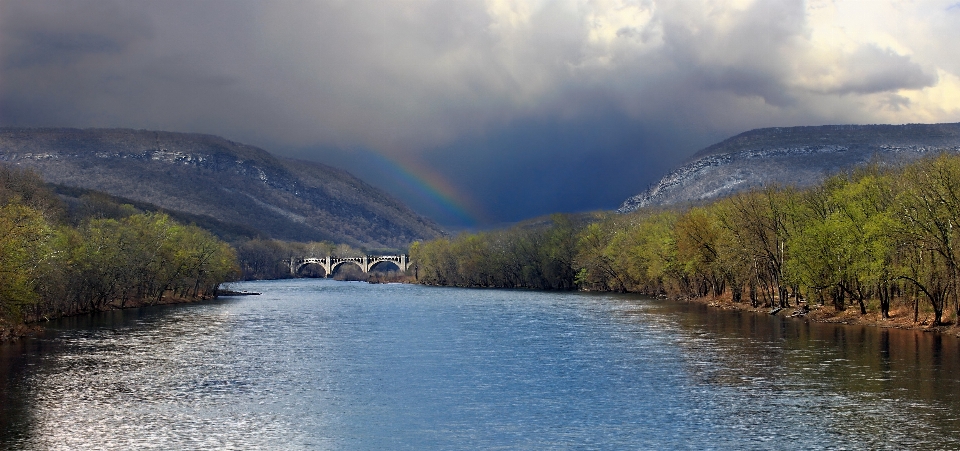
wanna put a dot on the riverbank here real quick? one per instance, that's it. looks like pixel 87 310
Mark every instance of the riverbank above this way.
pixel 901 317
pixel 13 332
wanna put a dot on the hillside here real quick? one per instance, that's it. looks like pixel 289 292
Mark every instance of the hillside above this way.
pixel 231 183
pixel 799 156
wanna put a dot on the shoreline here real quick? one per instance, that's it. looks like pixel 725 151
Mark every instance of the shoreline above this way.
pixel 15 332
pixel 901 317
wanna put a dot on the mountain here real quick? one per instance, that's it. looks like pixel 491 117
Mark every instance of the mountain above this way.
pixel 798 156
pixel 231 183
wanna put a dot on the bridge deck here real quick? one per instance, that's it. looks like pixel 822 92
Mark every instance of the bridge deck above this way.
pixel 366 263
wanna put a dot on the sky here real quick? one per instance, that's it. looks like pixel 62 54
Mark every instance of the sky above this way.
pixel 478 113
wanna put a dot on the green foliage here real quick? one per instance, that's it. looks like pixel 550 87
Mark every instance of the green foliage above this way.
pixel 701 250
pixel 631 253
pixel 23 247
pixel 49 268
pixel 142 257
pixel 929 204
pixel 872 234
pixel 521 257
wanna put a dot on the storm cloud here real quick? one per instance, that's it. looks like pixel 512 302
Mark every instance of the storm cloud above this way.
pixel 523 107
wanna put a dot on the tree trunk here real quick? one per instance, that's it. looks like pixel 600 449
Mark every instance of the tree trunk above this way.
pixel 884 292
pixel 916 309
pixel 839 299
pixel 736 291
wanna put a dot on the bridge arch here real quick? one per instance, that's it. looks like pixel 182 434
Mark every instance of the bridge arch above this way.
pixel 336 265
pixel 312 270
pixel 384 265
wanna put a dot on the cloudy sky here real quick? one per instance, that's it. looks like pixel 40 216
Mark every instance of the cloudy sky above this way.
pixel 478 112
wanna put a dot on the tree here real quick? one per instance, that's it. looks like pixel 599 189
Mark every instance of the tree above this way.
pixel 699 251
pixel 25 187
pixel 760 222
pixel 24 239
pixel 596 258
pixel 929 203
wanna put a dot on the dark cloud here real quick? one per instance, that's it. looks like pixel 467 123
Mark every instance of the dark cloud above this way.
pixel 564 165
pixel 539 166
pixel 63 34
pixel 529 106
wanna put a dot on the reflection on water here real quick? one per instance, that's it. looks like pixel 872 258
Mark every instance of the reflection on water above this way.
pixel 334 365
pixel 867 386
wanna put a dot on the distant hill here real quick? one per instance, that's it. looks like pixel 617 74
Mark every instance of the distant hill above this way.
pixel 799 156
pixel 83 203
pixel 228 182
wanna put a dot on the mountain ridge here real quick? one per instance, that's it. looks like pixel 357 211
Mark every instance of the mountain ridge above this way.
pixel 800 156
pixel 850 134
pixel 229 181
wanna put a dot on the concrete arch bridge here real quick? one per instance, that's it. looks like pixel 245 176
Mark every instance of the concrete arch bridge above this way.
pixel 366 263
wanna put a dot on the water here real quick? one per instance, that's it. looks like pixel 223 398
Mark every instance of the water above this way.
pixel 316 364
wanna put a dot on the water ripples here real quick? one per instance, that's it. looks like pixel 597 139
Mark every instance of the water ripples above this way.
pixel 331 365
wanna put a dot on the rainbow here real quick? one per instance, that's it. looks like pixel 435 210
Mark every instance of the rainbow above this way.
pixel 432 188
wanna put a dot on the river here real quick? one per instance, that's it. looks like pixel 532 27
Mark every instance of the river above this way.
pixel 319 364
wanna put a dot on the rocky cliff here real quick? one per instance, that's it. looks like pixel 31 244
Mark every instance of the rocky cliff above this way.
pixel 799 156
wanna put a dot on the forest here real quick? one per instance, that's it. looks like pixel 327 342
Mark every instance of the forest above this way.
pixel 61 259
pixel 866 239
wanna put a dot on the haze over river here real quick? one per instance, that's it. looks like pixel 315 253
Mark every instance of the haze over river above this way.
pixel 319 364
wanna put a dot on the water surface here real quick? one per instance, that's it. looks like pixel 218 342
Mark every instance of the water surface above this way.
pixel 318 364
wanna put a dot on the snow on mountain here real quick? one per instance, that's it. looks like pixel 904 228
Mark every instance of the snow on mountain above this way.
pixel 798 156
